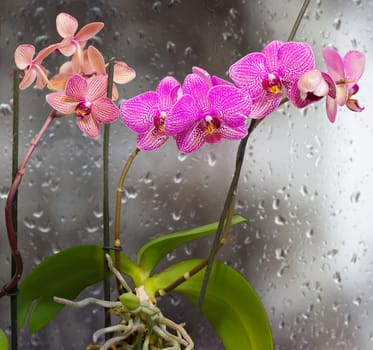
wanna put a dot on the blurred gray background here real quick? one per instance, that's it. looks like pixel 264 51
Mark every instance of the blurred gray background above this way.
pixel 306 185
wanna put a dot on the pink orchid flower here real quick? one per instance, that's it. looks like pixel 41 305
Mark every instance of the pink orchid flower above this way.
pixel 207 114
pixel 312 87
pixel 263 75
pixel 32 67
pixel 346 72
pixel 73 43
pixel 93 64
pixel 147 113
pixel 87 101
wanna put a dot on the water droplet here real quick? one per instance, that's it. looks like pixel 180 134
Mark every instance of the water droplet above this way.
pixel 304 190
pixel 354 198
pixel 157 6
pixel 29 223
pixel 275 204
pixel 178 178
pixel 337 278
pixel 188 51
pixel 176 215
pixel 171 47
pixel 279 220
pixel 310 233
pixel 211 159
pixel 44 228
pixel 130 192
pixel 3 192
pixel 357 301
pixel 280 254
pixel 5 109
pixel 182 156
pixel 337 23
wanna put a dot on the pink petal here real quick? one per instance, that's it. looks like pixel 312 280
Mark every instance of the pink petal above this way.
pixel 353 105
pixel 123 73
pixel 332 87
pixel 58 82
pixel 164 90
pixel 334 63
pixel 67 47
pixel 97 87
pixel 76 87
pixel 62 103
pixel 203 74
pixel 264 106
pixel 331 109
pixel 191 140
pixel 151 140
pixel 104 110
pixel 295 59
pixel 354 64
pixel 138 112
pixel 66 25
pixel 233 133
pixel 88 31
pixel 231 104
pixel 271 53
pixel 96 60
pixel 341 94
pixel 23 55
pixel 197 87
pixel 219 81
pixel 28 79
pixel 184 114
pixel 41 74
pixel 89 126
pixel 45 53
pixel 114 93
pixel 248 73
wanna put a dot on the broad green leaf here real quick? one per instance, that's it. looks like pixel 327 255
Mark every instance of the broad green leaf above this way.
pixel 3 340
pixel 65 275
pixel 152 252
pixel 231 304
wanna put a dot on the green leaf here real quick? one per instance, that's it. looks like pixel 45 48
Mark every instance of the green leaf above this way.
pixel 3 340
pixel 65 275
pixel 152 252
pixel 231 304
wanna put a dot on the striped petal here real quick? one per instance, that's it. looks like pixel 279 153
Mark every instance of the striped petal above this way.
pixel 88 31
pixel 191 140
pixel 96 60
pixel 271 53
pixel 28 79
pixel 66 25
pixel 76 87
pixel 354 64
pixel 334 63
pixel 104 110
pixel 23 56
pixel 123 73
pixel 138 112
pixel 197 87
pixel 89 126
pixel 164 89
pixel 151 140
pixel 62 103
pixel 97 88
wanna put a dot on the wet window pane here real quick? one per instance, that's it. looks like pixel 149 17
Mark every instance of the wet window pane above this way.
pixel 306 184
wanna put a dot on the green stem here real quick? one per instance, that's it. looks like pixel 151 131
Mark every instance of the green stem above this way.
pixel 106 215
pixel 298 20
pixel 15 154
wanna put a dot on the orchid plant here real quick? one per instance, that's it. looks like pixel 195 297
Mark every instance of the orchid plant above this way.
pixel 201 109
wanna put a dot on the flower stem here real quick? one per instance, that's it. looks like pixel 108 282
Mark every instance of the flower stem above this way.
pixel 298 20
pixel 118 206
pixel 105 204
pixel 11 228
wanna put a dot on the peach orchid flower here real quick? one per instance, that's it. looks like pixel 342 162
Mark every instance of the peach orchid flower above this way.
pixel 32 67
pixel 72 43
pixel 93 65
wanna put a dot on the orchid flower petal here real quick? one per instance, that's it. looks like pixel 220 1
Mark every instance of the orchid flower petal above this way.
pixel 89 126
pixel 104 110
pixel 331 109
pixel 354 65
pixel 203 74
pixel 76 87
pixel 96 60
pixel 28 79
pixel 44 53
pixel 341 94
pixel 62 103
pixel 67 48
pixel 249 72
pixel 23 55
pixel 230 104
pixel 184 114
pixel 191 140
pixel 66 25
pixel 164 90
pixel 233 133
pixel 97 87
pixel 138 112
pixel 151 140
pixel 123 73
pixel 294 60
pixel 334 63
pixel 197 87
pixel 41 77
pixel 88 31
pixel 271 53
pixel 353 105
pixel 264 106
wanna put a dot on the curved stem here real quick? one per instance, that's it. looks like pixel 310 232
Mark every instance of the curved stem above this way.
pixel 298 20
pixel 118 206
pixel 10 286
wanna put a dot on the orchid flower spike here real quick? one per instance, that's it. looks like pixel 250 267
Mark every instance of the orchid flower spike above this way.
pixel 263 75
pixel 72 43
pixel 346 72
pixel 87 101
pixel 32 67
pixel 206 113
pixel 147 113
